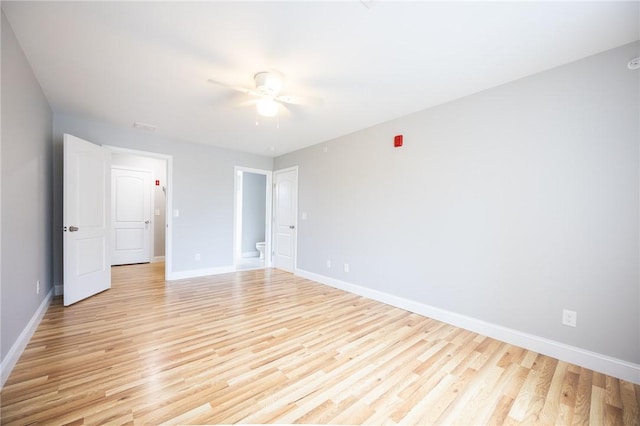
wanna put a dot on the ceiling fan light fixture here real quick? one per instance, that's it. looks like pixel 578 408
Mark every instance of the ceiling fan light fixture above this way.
pixel 267 107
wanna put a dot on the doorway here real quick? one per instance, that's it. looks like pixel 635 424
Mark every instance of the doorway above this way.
pixel 160 167
pixel 252 219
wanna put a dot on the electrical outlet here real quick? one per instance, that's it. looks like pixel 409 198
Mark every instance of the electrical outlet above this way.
pixel 346 267
pixel 569 318
pixel 38 287
pixel 328 264
pixel 198 256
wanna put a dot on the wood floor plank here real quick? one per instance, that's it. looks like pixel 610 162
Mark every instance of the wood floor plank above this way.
pixel 266 346
pixel 630 410
pixel 597 410
pixel 553 398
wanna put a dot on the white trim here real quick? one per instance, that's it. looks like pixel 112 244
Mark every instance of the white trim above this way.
pixel 21 342
pixel 602 363
pixel 168 239
pixel 246 254
pixel 157 259
pixel 58 290
pixel 194 273
pixel 238 179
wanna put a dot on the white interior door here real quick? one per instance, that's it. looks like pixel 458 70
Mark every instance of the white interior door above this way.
pixel 285 212
pixel 131 216
pixel 86 222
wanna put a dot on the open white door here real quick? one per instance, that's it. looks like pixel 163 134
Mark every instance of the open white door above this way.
pixel 131 216
pixel 285 212
pixel 86 222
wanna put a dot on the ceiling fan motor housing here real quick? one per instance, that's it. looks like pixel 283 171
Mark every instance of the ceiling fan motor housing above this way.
pixel 268 83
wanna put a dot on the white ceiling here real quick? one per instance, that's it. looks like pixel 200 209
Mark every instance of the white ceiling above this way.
pixel 122 62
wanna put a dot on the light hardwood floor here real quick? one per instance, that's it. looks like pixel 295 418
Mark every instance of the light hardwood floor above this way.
pixel 265 346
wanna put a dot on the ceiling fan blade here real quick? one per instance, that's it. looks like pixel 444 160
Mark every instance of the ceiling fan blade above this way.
pixel 300 100
pixel 236 88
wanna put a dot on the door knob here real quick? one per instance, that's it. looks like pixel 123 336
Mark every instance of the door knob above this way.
pixel 73 229
pixel 146 222
pixel 291 227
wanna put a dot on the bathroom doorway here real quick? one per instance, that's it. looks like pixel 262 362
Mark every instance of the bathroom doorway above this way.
pixel 252 224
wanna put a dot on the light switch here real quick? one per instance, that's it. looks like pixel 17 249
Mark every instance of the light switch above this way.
pixel 176 213
pixel 304 215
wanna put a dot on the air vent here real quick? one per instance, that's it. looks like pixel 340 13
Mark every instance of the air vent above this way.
pixel 144 126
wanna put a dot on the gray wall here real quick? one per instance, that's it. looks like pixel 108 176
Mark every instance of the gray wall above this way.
pixel 203 189
pixel 158 170
pixel 506 206
pixel 26 192
pixel 254 187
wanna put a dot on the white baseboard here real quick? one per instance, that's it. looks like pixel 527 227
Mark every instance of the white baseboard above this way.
pixel 598 362
pixel 193 273
pixel 58 290
pixel 157 259
pixel 246 254
pixel 21 343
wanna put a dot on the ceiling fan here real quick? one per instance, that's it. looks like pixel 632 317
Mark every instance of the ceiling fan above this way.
pixel 269 84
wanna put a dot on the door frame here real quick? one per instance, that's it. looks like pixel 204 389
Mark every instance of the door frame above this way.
pixel 237 211
pixel 152 196
pixel 168 239
pixel 295 214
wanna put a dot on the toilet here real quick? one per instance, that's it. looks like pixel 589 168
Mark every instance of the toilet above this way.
pixel 260 247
